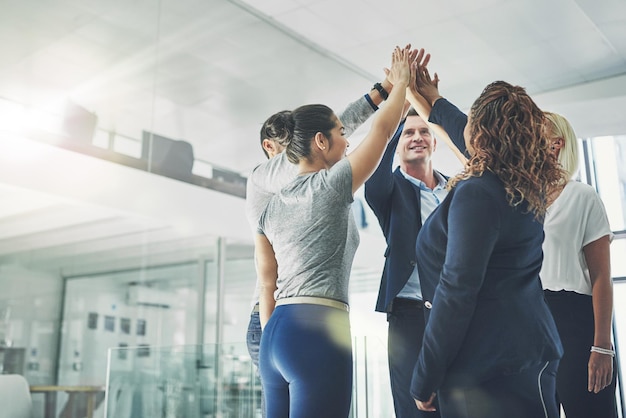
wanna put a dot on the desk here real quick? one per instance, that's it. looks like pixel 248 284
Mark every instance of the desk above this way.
pixel 50 393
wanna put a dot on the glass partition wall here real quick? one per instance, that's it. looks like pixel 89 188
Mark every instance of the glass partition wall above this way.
pixel 170 382
pixel 152 321
pixel 57 330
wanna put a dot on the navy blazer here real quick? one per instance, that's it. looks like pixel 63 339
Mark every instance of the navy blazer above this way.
pixel 489 316
pixel 397 205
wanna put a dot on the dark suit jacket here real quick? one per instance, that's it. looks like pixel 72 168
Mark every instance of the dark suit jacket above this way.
pixel 396 204
pixel 479 266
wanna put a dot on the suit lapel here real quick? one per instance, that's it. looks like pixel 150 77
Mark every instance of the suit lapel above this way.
pixel 412 190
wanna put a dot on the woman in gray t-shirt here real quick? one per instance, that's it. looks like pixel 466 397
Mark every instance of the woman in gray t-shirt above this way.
pixel 304 248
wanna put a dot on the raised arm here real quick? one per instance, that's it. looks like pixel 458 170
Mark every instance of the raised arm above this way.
pixel 422 92
pixel 442 112
pixel 360 110
pixel 417 101
pixel 365 158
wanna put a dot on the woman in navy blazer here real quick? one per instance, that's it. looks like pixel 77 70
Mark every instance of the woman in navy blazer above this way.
pixel 491 347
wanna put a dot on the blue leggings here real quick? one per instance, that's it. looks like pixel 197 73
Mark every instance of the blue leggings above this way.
pixel 306 362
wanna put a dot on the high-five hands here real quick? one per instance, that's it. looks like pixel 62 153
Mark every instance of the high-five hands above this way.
pixel 400 71
pixel 424 84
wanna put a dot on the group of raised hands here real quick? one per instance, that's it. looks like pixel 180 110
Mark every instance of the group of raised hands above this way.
pixel 422 90
pixel 420 82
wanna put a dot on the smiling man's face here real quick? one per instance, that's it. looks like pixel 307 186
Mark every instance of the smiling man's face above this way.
pixel 416 142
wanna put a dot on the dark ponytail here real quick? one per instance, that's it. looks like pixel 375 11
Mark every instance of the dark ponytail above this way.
pixel 307 121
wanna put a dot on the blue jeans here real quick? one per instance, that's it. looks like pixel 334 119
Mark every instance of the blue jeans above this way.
pixel 306 362
pixel 253 341
pixel 253 337
pixel 528 394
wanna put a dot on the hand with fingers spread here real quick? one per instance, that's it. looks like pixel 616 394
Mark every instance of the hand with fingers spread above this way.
pixel 416 56
pixel 426 86
pixel 422 101
pixel 400 70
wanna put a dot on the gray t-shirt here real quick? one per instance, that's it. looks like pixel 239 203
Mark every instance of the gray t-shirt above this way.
pixel 265 181
pixel 312 230
pixel 271 176
pixel 274 174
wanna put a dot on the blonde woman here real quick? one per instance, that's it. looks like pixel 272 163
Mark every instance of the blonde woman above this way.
pixel 576 276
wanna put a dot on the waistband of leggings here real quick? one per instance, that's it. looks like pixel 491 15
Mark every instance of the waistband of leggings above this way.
pixel 313 300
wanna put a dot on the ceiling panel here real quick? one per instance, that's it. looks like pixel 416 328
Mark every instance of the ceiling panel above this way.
pixel 602 12
pixel 277 7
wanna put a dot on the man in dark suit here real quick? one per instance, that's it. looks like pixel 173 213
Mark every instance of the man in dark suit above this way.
pixel 401 200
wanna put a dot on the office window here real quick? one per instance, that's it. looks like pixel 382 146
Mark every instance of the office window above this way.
pixel 606 170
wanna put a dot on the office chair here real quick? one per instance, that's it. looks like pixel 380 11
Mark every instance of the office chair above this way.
pixel 15 397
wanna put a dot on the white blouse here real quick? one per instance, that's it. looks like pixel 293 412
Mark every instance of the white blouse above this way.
pixel 576 218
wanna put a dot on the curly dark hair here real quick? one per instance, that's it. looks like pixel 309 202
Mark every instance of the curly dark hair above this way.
pixel 508 136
